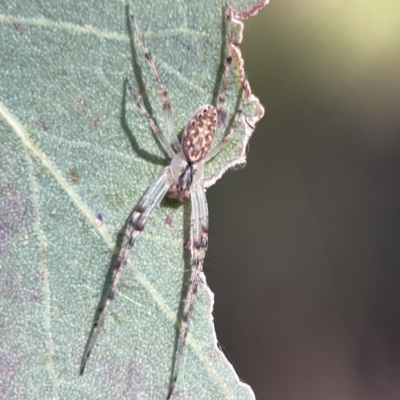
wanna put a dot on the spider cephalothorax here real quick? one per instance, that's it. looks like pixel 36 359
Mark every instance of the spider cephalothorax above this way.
pixel 183 178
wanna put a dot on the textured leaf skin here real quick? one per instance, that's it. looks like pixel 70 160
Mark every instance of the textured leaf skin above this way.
pixel 75 158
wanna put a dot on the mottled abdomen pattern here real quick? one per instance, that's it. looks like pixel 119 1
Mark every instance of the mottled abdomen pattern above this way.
pixel 199 134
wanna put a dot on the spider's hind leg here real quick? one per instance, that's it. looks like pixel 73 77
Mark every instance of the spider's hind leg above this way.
pixel 198 248
pixel 135 226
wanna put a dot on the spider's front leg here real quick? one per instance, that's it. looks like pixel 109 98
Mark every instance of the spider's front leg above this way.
pixel 198 247
pixel 163 91
pixel 135 226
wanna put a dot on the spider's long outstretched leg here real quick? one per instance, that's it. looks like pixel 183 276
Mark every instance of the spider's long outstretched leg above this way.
pixel 166 104
pixel 156 130
pixel 198 243
pixel 225 140
pixel 135 226
pixel 228 63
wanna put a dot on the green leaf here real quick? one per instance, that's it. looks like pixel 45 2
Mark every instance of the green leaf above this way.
pixel 75 158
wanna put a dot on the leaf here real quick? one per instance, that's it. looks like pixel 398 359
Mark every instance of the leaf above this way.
pixel 75 158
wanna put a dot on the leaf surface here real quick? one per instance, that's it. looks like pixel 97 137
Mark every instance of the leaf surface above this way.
pixel 75 158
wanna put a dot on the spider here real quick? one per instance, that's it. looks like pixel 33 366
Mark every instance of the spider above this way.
pixel 182 179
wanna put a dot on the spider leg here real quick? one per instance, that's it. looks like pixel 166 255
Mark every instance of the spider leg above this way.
pixel 199 244
pixel 225 140
pixel 166 104
pixel 135 226
pixel 228 64
pixel 156 130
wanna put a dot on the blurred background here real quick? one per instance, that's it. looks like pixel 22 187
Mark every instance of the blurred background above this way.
pixel 304 256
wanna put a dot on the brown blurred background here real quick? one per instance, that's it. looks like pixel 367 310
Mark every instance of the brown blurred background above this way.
pixel 304 254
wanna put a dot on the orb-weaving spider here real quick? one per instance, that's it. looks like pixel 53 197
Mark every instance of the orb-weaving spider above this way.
pixel 182 179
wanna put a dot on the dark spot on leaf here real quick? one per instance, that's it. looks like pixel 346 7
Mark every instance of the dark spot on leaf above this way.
pixel 45 125
pixel 99 219
pixel 222 118
pixel 142 89
pixel 44 254
pixel 94 122
pixel 18 28
pixel 169 221
pixel 34 297
pixel 74 175
pixel 15 212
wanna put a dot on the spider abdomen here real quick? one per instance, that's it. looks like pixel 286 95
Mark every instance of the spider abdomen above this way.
pixel 199 133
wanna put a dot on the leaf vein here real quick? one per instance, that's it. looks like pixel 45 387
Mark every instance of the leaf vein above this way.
pixel 34 151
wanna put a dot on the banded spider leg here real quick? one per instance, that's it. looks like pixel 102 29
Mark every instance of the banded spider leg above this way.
pixel 182 179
